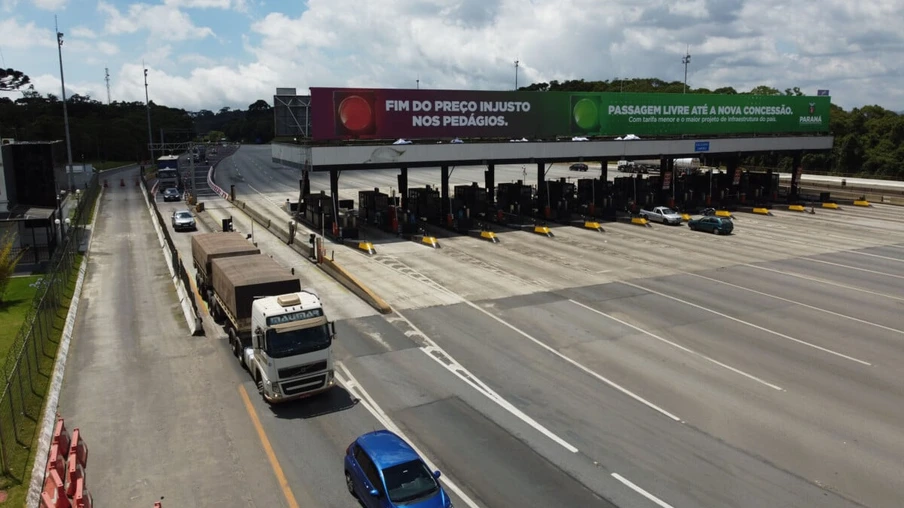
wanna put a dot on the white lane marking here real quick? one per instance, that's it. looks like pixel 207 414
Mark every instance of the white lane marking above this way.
pixel 581 367
pixel 747 323
pixel 352 385
pixel 462 373
pixel 827 282
pixel 679 346
pixel 849 267
pixel 640 491
pixel 795 302
pixel 877 256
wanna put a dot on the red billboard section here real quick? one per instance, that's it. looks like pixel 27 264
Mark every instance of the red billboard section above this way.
pixel 343 113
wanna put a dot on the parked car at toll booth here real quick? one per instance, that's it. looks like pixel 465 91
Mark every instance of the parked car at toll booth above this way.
pixel 384 471
pixel 714 225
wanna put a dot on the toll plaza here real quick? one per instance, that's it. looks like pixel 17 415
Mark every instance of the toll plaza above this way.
pixel 351 128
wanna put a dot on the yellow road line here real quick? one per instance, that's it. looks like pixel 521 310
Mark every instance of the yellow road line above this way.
pixel 268 449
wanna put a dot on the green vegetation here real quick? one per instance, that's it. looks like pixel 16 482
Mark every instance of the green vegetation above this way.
pixel 21 458
pixel 105 165
pixel 8 260
pixel 20 294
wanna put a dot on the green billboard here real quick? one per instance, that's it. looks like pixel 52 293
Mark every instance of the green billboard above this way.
pixel 609 114
pixel 346 113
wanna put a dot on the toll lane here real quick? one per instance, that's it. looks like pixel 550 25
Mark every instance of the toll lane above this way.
pixel 608 426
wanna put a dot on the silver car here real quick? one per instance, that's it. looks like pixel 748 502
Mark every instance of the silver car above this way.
pixel 183 220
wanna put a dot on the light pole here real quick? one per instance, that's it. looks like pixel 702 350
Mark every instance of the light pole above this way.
pixel 65 110
pixel 516 75
pixel 418 81
pixel 686 59
pixel 147 104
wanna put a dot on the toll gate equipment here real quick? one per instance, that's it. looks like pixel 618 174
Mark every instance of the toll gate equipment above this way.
pixel 426 204
pixel 515 198
pixel 562 200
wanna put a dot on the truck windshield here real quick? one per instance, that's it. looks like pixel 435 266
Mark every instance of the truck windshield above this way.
pixel 297 342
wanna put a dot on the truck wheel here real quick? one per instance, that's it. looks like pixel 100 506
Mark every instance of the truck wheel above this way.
pixel 234 344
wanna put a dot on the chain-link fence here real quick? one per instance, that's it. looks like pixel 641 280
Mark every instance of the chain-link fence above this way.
pixel 29 363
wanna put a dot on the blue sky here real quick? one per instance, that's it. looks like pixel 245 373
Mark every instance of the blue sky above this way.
pixel 215 53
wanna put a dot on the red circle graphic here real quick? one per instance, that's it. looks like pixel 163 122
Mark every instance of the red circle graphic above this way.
pixel 355 113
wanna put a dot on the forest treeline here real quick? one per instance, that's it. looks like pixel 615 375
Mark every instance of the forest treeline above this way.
pixel 868 140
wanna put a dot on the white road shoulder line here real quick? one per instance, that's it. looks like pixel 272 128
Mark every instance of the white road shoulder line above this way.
pixel 747 323
pixel 438 355
pixel 576 364
pixel 640 491
pixel 352 385
pixel 827 282
pixel 849 267
pixel 818 309
pixel 878 256
pixel 679 346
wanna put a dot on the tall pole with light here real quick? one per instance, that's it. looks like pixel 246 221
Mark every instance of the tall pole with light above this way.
pixel 65 110
pixel 686 59
pixel 147 104
pixel 516 74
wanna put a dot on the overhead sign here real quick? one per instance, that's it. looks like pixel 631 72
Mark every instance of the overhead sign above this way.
pixel 822 93
pixel 701 146
pixel 345 113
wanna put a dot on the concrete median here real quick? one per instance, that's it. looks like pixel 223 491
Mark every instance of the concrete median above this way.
pixel 329 266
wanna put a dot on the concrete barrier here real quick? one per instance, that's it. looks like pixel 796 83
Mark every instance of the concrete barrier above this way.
pixel 329 266
pixel 831 206
pixel 762 211
pixel 796 208
pixel 640 221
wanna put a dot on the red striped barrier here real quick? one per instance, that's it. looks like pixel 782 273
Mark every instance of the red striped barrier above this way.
pixel 54 493
pixel 78 448
pixel 61 435
pixel 82 498
pixel 56 461
pixel 75 472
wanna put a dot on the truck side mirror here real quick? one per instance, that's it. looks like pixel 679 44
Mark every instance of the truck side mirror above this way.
pixel 333 329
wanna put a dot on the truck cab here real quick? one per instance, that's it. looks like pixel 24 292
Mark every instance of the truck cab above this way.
pixel 290 350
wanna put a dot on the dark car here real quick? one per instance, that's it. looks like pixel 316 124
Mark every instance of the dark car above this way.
pixel 171 194
pixel 383 471
pixel 714 225
pixel 579 166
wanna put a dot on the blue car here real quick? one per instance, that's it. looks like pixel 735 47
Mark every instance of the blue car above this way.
pixel 383 471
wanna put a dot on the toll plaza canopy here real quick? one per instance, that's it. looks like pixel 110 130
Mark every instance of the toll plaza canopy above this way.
pixel 356 128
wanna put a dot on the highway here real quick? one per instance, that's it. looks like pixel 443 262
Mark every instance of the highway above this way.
pixel 637 367
pixel 750 370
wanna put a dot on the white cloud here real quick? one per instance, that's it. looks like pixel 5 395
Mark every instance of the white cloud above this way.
pixel 855 50
pixel 83 32
pixel 50 5
pixel 14 35
pixel 238 5
pixel 164 22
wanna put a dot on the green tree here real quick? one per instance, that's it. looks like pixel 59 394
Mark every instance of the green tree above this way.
pixel 8 260
pixel 11 79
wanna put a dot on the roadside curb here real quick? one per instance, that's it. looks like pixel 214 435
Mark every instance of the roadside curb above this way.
pixel 328 266
pixel 49 416
pixel 194 326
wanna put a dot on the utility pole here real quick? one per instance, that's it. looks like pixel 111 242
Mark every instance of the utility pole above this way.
pixel 418 81
pixel 107 79
pixel 147 104
pixel 65 110
pixel 516 75
pixel 686 59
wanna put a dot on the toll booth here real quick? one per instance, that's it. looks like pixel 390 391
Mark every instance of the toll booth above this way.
pixel 515 198
pixel 425 203
pixel 318 212
pixel 631 193
pixel 759 188
pixel 372 206
pixel 594 198
pixel 563 202
pixel 348 220
pixel 472 197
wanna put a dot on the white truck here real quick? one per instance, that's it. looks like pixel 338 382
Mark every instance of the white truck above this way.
pixel 662 214
pixel 279 332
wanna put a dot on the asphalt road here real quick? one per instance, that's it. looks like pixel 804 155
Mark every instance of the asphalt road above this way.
pixel 775 348
pixel 637 367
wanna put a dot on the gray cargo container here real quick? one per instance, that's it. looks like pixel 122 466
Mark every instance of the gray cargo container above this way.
pixel 237 281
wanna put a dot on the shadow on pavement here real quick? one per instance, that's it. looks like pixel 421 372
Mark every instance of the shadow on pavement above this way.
pixel 335 400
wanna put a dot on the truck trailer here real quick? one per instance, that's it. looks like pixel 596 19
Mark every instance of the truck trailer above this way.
pixel 279 332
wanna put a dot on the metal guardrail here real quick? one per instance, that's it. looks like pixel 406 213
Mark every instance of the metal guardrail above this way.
pixel 30 360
